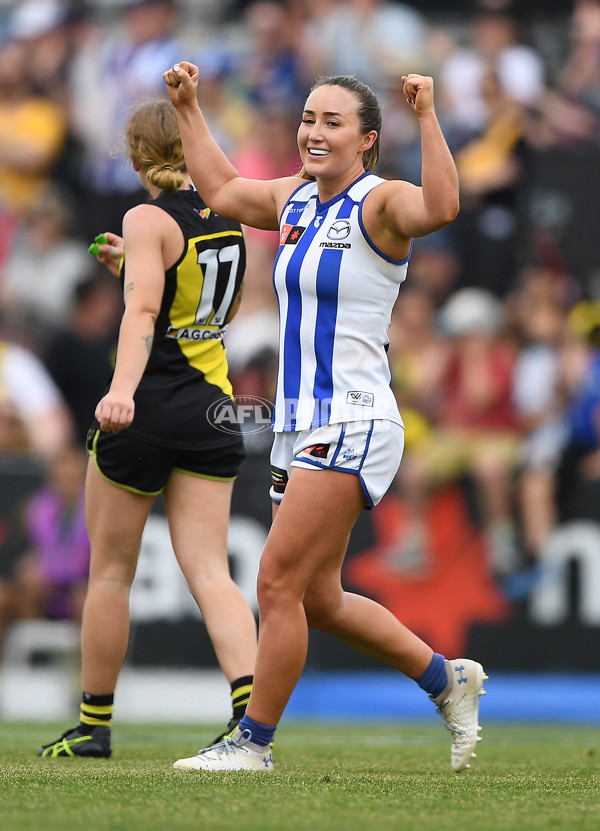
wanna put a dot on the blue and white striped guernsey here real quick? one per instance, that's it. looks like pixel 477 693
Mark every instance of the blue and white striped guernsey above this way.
pixel 336 291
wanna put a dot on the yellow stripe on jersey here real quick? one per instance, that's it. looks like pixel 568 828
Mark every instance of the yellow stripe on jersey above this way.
pixel 202 276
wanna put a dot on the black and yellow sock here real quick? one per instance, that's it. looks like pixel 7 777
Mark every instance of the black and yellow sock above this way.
pixel 96 710
pixel 240 695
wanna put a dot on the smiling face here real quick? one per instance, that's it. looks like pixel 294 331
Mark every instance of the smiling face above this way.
pixel 331 139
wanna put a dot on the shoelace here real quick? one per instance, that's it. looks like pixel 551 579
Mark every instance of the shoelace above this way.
pixel 226 746
pixel 453 730
pixel 447 725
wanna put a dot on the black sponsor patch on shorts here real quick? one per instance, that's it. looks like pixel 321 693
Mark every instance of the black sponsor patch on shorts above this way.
pixel 279 479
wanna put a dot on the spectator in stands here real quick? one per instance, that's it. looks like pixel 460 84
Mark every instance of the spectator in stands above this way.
pixel 580 77
pixel 569 114
pixel 55 31
pixel 580 461
pixel 109 74
pixel 50 577
pixel 487 162
pixel 372 39
pixel 271 70
pixel 475 432
pixel 44 27
pixel 81 356
pixel 32 136
pixel 435 266
pixel 490 170
pixel 540 407
pixel 37 420
pixel 418 357
pixel 227 108
pixel 495 45
pixel 268 152
pixel 46 262
pixel 13 436
pixel 488 86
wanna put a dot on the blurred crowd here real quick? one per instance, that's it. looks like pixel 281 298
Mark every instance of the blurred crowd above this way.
pixel 495 339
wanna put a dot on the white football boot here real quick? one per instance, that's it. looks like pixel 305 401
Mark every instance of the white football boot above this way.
pixel 235 753
pixel 458 706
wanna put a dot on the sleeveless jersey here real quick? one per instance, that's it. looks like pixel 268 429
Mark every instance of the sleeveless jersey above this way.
pixel 336 291
pixel 187 368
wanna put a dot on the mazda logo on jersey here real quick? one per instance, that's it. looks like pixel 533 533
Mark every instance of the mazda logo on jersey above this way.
pixel 290 234
pixel 339 230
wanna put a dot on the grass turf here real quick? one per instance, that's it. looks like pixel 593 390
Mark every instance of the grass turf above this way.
pixel 327 778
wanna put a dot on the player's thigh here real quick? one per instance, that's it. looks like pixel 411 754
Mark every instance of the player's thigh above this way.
pixel 312 524
pixel 198 511
pixel 115 520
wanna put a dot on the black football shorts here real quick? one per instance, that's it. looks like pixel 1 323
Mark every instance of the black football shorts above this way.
pixel 142 467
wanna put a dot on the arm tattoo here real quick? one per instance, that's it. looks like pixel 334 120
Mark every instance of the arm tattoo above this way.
pixel 149 339
pixel 128 287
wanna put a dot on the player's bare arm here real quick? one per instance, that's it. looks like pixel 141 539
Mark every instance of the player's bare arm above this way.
pixel 399 210
pixel 144 239
pixel 252 202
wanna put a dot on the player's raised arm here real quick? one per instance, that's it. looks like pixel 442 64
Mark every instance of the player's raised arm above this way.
pixel 249 201
pixel 417 211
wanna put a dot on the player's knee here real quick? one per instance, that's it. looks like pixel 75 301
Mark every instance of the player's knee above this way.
pixel 273 587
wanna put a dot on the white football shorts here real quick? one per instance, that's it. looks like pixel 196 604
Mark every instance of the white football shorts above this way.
pixel 372 450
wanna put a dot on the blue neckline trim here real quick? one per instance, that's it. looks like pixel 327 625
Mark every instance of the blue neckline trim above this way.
pixel 324 206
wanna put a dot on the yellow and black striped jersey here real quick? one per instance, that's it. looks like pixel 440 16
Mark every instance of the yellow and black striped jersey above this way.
pixel 187 368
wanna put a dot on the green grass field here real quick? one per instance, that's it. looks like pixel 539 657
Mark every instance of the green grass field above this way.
pixel 334 778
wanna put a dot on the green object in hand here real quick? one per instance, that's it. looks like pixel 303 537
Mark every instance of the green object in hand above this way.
pixel 99 240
